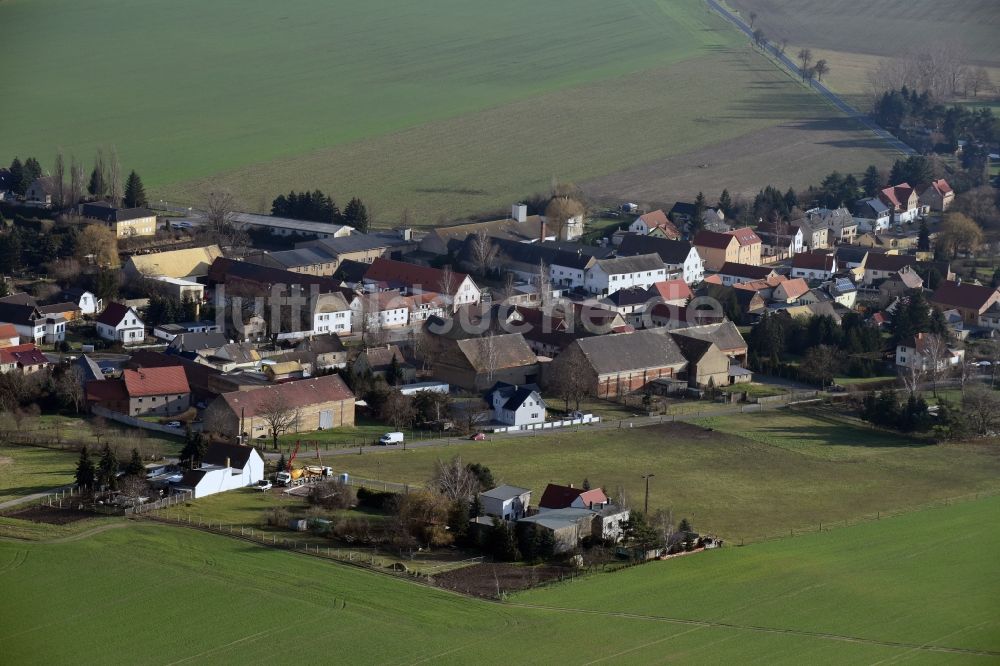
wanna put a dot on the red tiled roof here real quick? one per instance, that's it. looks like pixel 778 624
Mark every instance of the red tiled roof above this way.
pixel 8 331
pixel 316 390
pixel 671 290
pixel 410 275
pixel 561 497
pixel 113 314
pixel 963 295
pixel 896 195
pixel 155 381
pixel 659 219
pixel 106 390
pixel 714 239
pixel 942 186
pixel 23 355
pixel 795 287
pixel 745 236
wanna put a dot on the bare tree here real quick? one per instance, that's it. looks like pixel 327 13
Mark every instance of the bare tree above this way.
pixel 445 286
pixel 936 358
pixel 59 176
pixel 398 410
pixel 759 39
pixel 279 416
pixel 220 225
pixel 782 46
pixel 978 79
pixel 76 184
pixel 69 388
pixel 558 213
pixel 489 354
pixel 571 379
pixel 484 252
pixel 753 19
pixel 967 371
pixel 981 407
pixel 115 182
pixel 454 479
pixel 805 58
pixel 822 68
pixel 820 364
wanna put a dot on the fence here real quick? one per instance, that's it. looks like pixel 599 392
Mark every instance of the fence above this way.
pixel 786 398
pixel 134 422
pixel 168 501
pixel 548 425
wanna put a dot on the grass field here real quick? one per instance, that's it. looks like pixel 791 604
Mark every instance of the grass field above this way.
pixel 451 110
pixel 752 476
pixel 872 593
pixel 25 470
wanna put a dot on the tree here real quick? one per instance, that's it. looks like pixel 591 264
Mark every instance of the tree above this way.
pixel 98 244
pixel 135 193
pixel 782 46
pixel 75 181
pixel 220 208
pixel 485 253
pixel 17 177
pixel 558 213
pixel 936 357
pixel 805 58
pixel 753 19
pixel 194 449
pixel 107 469
pixel 698 217
pixel 726 203
pixel 570 379
pixel 356 215
pixel 959 234
pixel 821 68
pixel 423 515
pixel 279 416
pixel 32 171
pixel 86 474
pixel 820 364
pixel 114 182
pixel 69 388
pixel 59 197
pixel 759 39
pixel 98 184
pixel 924 238
pixel 872 181
pixel 978 79
pixel 398 410
pixel 135 467
pixel 483 475
pixel 502 542
pixel 981 408
pixel 445 286
pixel 454 479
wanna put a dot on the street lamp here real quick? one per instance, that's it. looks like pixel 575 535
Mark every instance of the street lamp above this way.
pixel 647 477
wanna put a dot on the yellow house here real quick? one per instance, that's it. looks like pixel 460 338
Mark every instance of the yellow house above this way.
pixel 715 249
pixel 125 222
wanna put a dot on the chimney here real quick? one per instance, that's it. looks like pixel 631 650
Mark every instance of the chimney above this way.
pixel 519 212
pixel 571 485
pixel 227 462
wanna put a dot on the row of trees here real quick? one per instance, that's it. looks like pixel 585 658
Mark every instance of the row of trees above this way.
pixel 70 185
pixel 938 68
pixel 317 206
pixel 895 109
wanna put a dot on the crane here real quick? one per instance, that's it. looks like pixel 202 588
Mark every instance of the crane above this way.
pixel 291 458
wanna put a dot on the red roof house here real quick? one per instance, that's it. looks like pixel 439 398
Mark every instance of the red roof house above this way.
pixel 565 497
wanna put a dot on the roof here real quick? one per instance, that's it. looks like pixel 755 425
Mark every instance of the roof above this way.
pixel 316 390
pixel 108 390
pixel 155 381
pixel 186 342
pixel 7 331
pixel 192 477
pixel 354 243
pixel 813 261
pixel 940 186
pixel 896 195
pixel 888 262
pixel 297 258
pixel 658 219
pixel 623 352
pixel 724 334
pixel 530 230
pixel 20 298
pixel 634 264
pixel 113 314
pixel 102 210
pixel 23 355
pixel 283 367
pixel 401 273
pixel 745 270
pixel 176 263
pixel 89 368
pixel 873 205
pixel 630 296
pixel 381 357
pixel 745 236
pixel 225 270
pixel 299 226
pixel 693 348
pixel 963 295
pixel 350 271
pixel 795 287
pixel 714 239
pixel 504 493
pixel 533 253
pixel 58 308
pixel 562 497
pixel 853 254
pixel 670 251
pixel 671 290
pixel 910 279
pixel 321 344
pixel 516 395
pixel 509 351
pixel 559 519
pixel 238 456
pixel 18 314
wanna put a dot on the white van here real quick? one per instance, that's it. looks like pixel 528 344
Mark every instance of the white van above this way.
pixel 391 438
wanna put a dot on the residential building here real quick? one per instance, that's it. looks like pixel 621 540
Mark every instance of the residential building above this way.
pixel 897 285
pixel 749 246
pixel 873 215
pixel 9 337
pixel 224 467
pixel 839 225
pixel 920 352
pixel 677 256
pixel 781 234
pixel 506 502
pixel 318 403
pixel 40 192
pixel 657 220
pixel 815 235
pixel 86 302
pixel 734 273
pixel 879 266
pixel 814 265
pixel 26 359
pixel 457 289
pixel 125 222
pixel 851 256
pixel 937 195
pixel 327 351
pixel 31 324
pixel 153 391
pixel 715 249
pixel 331 313
pixel 230 356
pixel 517 406
pixel 188 264
pixel 971 300
pixel 903 201
pixel 556 497
pixel 708 366
pixel 379 362
pixel 121 323
pixel 607 276
pixel 683 214
pixel 790 291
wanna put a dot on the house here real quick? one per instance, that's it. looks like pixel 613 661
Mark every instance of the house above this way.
pixel 781 234
pixel 86 302
pixel 774 247
pixel 26 359
pixel 622 363
pixel 971 300
pixel 379 311
pixel 125 222
pixel 879 266
pixel 40 192
pixel 506 502
pixel 657 220
pixel 327 351
pixel 224 467
pixel 671 292
pixel 676 255
pixel 184 342
pixel 281 371
pixel 570 497
pixel 749 246
pixel 182 290
pixel 517 406
pixel 519 227
pixel 708 366
pixel 851 256
pixel 872 214
pixel 724 335
pixel 937 195
pixel 283 226
pixel 920 351
pixel 230 356
pixel 683 214
pixel 318 403
pixel 991 317
pixel 379 361
pixel 421 307
pixel 815 235
pixel 475 363
pixel 814 265
pixel 121 323
pixel 456 288
pixel 733 273
pixel 155 391
pixel 897 285
pixel 9 337
pixel 843 292
pixel 566 526
pixel 790 291
pixel 331 313
pixel 188 264
pixel 242 277
pixel 839 225
pixel 31 324
pixel 715 249
pixel 567 262
pixel 607 276
pixel 903 201
pixel 307 260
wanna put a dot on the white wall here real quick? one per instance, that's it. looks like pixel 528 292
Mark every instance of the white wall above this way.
pixel 599 282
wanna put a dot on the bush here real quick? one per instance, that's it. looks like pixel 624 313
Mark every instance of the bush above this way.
pixel 277 517
pixel 378 500
pixel 332 495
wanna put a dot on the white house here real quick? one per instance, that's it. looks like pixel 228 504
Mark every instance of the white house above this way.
pixel 30 324
pixel 517 405
pixel 814 266
pixel 507 502
pixel 920 351
pixel 644 224
pixel 224 467
pixel 607 276
pixel 121 323
pixel 331 314
pixel 88 303
pixel 872 215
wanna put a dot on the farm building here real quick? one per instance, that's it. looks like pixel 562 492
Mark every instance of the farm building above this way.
pixel 507 502
pixel 224 467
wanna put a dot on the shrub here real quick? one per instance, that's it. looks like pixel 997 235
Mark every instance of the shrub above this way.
pixel 378 500
pixel 277 517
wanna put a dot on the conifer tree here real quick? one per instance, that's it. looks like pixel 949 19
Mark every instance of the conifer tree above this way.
pixel 135 193
pixel 85 472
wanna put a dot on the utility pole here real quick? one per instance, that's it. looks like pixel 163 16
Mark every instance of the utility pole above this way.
pixel 647 477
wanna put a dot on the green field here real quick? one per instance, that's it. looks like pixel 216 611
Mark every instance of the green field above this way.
pixel 446 108
pixel 752 476
pixel 25 470
pixel 904 588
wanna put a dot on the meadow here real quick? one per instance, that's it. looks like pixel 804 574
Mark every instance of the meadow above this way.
pixel 748 477
pixel 169 595
pixel 447 109
pixel 25 470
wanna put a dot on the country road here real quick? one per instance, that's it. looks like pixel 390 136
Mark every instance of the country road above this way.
pixel 831 96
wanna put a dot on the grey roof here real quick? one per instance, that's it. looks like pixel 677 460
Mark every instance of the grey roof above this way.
pixel 556 519
pixel 89 369
pixel 186 342
pixel 669 251
pixel 533 253
pixel 636 264
pixel 518 397
pixel 724 334
pixel 571 246
pixel 354 243
pixel 238 456
pixel 102 210
pixel 693 348
pixel 299 226
pixel 873 206
pixel 850 253
pixel 624 352
pixel 293 258
pixel 504 492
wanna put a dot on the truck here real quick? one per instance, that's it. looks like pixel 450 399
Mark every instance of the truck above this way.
pixel 391 438
pixel 296 476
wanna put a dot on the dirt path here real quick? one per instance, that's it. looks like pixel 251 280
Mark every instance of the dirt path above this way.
pixel 34 496
pixel 916 647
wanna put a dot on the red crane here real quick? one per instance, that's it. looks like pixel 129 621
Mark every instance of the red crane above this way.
pixel 291 458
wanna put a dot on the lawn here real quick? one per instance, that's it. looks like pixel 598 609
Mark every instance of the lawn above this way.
pixel 837 597
pixel 25 470
pixel 750 476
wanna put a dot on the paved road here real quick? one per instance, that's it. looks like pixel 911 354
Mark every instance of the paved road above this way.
pixel 831 96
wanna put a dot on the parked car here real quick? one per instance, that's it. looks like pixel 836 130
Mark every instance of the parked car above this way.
pixel 174 424
pixel 478 437
pixel 575 415
pixel 264 485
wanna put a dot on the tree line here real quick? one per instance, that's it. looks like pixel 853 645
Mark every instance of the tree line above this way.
pixel 70 186
pixel 316 206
